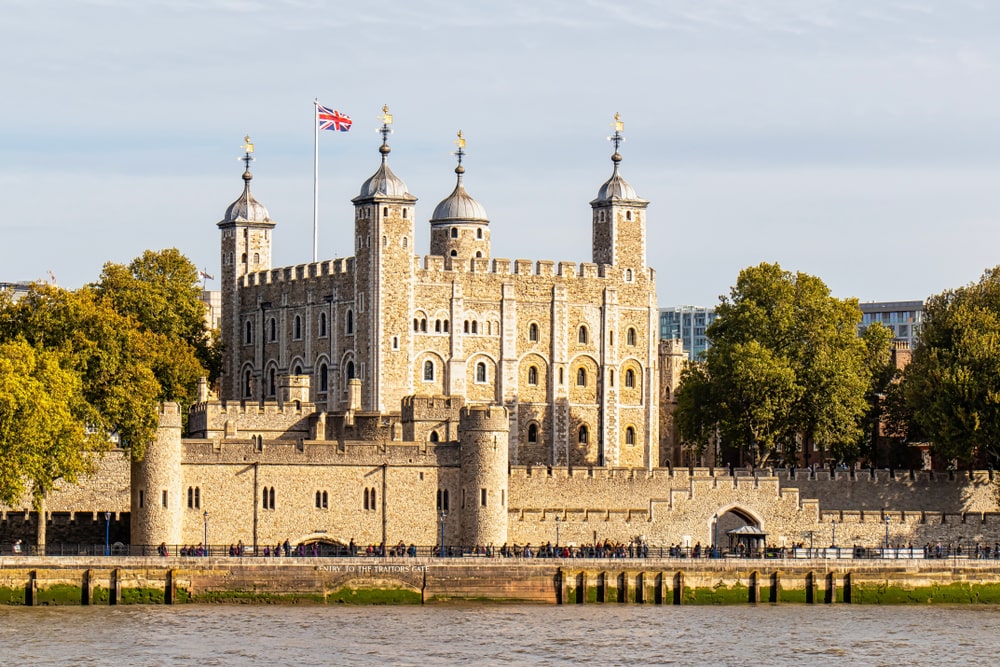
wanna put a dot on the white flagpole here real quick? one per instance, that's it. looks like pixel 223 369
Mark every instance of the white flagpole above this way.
pixel 315 179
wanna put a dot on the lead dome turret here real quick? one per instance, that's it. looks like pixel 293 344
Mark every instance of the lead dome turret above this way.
pixel 459 225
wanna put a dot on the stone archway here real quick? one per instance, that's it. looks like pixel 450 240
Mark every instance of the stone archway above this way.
pixel 730 518
pixel 321 544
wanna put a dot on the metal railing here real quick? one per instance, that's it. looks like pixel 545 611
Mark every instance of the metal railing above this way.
pixel 634 551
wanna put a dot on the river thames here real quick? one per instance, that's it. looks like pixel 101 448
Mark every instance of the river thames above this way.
pixel 275 636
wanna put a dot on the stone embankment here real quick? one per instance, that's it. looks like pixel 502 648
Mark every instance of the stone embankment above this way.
pixel 114 580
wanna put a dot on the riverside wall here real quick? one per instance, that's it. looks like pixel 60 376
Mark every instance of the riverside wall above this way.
pixel 112 580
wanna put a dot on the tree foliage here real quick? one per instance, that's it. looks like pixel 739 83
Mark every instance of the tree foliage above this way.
pixel 785 367
pixel 82 367
pixel 951 388
pixel 160 291
pixel 42 437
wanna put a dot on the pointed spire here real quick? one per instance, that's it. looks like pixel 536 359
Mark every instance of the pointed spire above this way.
pixel 246 208
pixel 385 130
pixel 460 153
pixel 617 139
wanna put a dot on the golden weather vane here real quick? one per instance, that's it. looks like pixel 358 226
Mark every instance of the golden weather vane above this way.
pixel 460 142
pixel 386 116
pixel 247 145
pixel 619 125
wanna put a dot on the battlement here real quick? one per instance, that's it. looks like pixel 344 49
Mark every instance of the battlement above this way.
pixel 504 267
pixel 431 408
pixel 484 418
pixel 673 346
pixel 300 272
pixel 317 452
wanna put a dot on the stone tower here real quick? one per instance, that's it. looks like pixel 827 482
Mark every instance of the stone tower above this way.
pixel 459 227
pixel 156 504
pixel 673 360
pixel 383 285
pixel 484 433
pixel 619 218
pixel 246 248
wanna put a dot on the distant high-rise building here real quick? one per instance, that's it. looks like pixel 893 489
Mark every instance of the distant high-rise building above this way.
pixel 902 317
pixel 687 324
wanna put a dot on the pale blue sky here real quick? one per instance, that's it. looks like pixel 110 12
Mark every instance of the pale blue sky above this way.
pixel 855 140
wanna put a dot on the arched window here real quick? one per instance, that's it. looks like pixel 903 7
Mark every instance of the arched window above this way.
pixel 349 371
pixel 630 436
pixel 454 232
pixel 416 324
pixel 385 211
pixel 324 381
pixel 366 497
pixel 267 498
pixel 582 435
pixel 582 335
pixel 272 330
pixel 256 258
pixel 480 372
pixel 628 215
pixel 628 275
pixel 629 378
pixel 247 384
pixel 297 370
pixel 446 326
pixel 372 494
pixel 479 233
pixel 630 336
pixel 272 377
pixel 533 332
pixel 454 253
pixel 297 329
pixel 475 326
pixel 581 377
pixel 611 377
pixel 561 376
pixel 437 326
pixel 248 336
pixel 349 323
pixel 479 253
pixel 423 324
pixel 322 324
pixel 533 375
pixel 532 433
pixel 428 371
pixel 434 436
pixel 466 326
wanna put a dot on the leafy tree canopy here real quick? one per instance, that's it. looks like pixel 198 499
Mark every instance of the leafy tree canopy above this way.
pixel 785 367
pixel 951 388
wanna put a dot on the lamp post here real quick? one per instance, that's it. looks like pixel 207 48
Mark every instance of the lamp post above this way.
pixel 887 519
pixel 715 533
pixel 557 532
pixel 206 531
pixel 810 544
pixel 833 535
pixel 442 517
pixel 107 533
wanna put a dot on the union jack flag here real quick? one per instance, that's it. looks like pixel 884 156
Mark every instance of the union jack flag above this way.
pixel 331 119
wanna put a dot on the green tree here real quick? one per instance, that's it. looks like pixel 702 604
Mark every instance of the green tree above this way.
pixel 42 437
pixel 785 367
pixel 160 290
pixel 106 350
pixel 952 385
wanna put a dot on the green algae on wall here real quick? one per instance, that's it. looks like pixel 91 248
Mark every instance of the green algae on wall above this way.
pixel 719 594
pixel 12 595
pixel 59 594
pixel 375 596
pixel 142 596
pixel 955 593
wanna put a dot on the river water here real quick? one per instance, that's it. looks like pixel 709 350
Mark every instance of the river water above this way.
pixel 274 636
